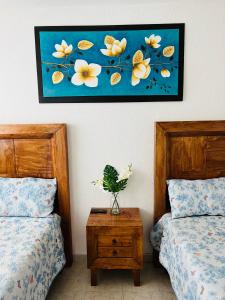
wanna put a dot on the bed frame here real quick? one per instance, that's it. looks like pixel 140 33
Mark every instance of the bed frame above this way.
pixel 40 151
pixel 186 150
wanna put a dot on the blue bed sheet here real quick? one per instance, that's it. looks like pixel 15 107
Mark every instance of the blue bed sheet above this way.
pixel 31 255
pixel 192 250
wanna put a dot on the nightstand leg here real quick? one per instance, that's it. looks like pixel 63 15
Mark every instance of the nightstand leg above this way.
pixel 136 277
pixel 94 277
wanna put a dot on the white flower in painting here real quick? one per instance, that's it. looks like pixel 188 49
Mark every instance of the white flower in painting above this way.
pixel 86 73
pixel 125 174
pixel 165 72
pixel 62 50
pixel 114 47
pixel 141 68
pixel 153 41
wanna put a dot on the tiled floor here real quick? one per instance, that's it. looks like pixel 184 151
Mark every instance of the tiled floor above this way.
pixel 74 284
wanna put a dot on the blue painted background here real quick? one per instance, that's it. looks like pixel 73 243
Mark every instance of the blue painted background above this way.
pixel 135 38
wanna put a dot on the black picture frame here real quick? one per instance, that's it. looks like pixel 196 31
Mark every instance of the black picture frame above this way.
pixel 111 98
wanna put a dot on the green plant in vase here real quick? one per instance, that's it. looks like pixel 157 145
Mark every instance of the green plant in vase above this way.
pixel 113 182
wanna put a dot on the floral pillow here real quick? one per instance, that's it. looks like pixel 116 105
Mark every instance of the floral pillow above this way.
pixel 197 197
pixel 27 197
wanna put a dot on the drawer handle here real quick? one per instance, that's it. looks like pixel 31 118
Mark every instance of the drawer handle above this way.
pixel 114 241
pixel 114 252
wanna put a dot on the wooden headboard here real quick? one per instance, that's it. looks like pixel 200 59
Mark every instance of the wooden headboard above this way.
pixel 186 150
pixel 40 151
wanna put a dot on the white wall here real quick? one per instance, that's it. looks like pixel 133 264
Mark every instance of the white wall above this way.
pixel 116 133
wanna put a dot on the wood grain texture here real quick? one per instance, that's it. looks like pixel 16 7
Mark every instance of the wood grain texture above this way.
pixel 127 217
pixel 193 128
pixel 40 151
pixel 94 279
pixel 121 263
pixel 61 172
pixel 115 242
pixel 136 276
pixel 192 152
pixel 33 157
pixel 115 252
pixel 186 150
pixel 7 158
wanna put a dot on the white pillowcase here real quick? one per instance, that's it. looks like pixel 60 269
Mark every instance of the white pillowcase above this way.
pixel 27 197
pixel 197 197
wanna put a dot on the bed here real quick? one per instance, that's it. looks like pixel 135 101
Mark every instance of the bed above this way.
pixel 33 250
pixel 190 248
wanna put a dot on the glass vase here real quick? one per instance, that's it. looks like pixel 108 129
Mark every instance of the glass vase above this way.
pixel 115 209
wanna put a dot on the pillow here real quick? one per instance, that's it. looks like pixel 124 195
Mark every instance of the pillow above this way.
pixel 27 197
pixel 197 197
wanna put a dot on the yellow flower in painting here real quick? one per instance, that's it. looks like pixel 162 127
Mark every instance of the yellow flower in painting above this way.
pixel 168 51
pixel 153 41
pixel 141 68
pixel 114 47
pixel 62 50
pixel 86 73
pixel 57 77
pixel 165 73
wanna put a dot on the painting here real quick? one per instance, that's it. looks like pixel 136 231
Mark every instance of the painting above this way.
pixel 122 63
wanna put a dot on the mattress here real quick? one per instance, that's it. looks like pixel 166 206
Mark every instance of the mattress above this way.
pixel 31 255
pixel 192 250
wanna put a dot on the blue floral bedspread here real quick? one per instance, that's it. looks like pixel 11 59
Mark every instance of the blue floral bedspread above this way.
pixel 192 249
pixel 31 255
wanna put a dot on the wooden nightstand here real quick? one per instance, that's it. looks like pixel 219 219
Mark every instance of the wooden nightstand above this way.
pixel 115 242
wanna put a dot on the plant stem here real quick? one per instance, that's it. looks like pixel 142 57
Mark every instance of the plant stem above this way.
pixel 63 65
pixel 56 64
pixel 115 67
pixel 115 206
pixel 161 64
pixel 119 66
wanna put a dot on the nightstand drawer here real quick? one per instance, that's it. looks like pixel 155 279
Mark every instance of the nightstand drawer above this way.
pixel 118 241
pixel 115 252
